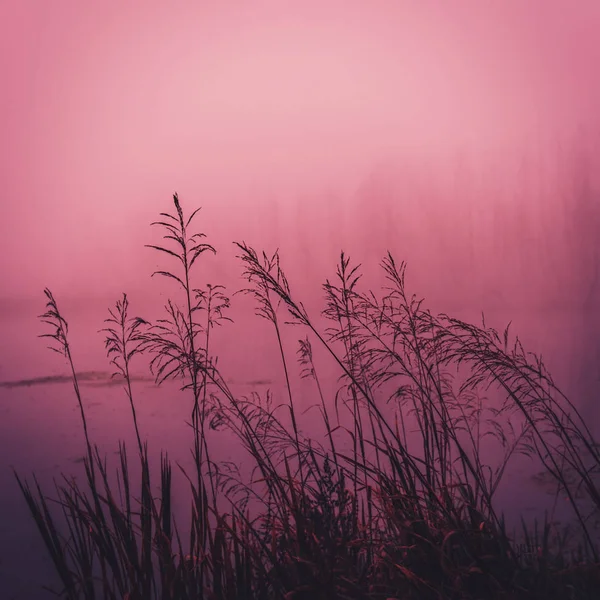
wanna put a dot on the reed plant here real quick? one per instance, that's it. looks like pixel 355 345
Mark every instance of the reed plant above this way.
pixel 369 513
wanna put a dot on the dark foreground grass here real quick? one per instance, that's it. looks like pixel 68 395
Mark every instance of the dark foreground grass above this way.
pixel 386 519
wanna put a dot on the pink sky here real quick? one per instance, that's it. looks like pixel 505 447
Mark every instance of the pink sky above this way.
pixel 109 107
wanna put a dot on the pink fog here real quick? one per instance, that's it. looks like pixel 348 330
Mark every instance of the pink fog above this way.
pixel 461 135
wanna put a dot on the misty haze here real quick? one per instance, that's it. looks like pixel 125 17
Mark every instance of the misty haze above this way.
pixel 462 138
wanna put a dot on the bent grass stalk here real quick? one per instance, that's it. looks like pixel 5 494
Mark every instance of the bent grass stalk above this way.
pixel 123 341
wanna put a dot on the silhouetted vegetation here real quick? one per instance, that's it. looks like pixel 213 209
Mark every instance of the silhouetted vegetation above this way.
pixel 387 519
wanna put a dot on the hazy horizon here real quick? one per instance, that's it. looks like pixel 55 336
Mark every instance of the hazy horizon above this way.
pixel 312 121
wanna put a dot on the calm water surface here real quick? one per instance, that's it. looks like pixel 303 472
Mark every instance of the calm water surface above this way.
pixel 40 428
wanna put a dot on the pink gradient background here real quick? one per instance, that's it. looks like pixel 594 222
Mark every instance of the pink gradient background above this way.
pixel 109 107
pixel 452 132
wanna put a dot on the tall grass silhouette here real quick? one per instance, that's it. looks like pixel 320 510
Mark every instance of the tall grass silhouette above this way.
pixel 369 514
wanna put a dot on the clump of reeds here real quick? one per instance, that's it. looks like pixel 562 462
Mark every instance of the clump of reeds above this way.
pixel 379 519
